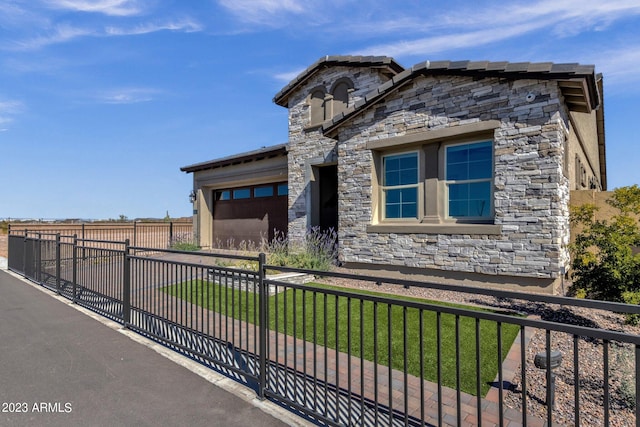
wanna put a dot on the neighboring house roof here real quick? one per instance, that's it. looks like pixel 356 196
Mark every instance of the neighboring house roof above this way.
pixel 386 64
pixel 249 156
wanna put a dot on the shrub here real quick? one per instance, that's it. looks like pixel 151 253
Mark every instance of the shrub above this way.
pixel 183 242
pixel 318 251
pixel 185 246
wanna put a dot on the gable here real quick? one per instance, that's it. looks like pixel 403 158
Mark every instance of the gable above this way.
pixel 578 83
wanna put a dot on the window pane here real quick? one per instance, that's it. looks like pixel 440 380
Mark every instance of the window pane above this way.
pixel 393 196
pixel 242 193
pixel 391 178
pixel 402 203
pixel 401 169
pixel 470 161
pixel 408 176
pixel 409 210
pixel 480 151
pixel 480 199
pixel 263 191
pixel 409 195
pixel 223 195
pixel 480 190
pixel 283 189
pixel 457 171
pixel 480 169
pixel 458 209
pixel 472 200
pixel 392 211
pixel 457 154
pixel 458 192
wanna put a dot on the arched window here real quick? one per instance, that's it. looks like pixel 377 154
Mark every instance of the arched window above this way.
pixel 317 105
pixel 340 92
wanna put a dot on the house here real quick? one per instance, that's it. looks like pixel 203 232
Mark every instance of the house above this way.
pixel 450 170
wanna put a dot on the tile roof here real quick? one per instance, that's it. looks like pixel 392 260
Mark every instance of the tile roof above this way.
pixel 385 62
pixel 578 82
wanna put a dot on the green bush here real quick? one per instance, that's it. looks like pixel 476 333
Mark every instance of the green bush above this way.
pixel 183 242
pixel 4 227
pixel 604 264
pixel 185 246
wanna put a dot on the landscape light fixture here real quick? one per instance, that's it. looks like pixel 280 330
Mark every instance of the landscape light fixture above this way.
pixel 192 196
pixel 541 362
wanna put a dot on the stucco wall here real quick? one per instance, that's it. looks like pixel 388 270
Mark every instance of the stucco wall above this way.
pixel 583 152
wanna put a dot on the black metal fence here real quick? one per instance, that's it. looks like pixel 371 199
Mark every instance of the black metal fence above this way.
pixel 344 357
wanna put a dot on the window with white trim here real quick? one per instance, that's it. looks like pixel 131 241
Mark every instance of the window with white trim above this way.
pixel 400 185
pixel 469 180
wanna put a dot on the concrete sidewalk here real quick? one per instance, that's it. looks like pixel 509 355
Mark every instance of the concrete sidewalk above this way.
pixel 61 365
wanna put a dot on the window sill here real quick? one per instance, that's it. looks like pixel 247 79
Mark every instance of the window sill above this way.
pixel 486 229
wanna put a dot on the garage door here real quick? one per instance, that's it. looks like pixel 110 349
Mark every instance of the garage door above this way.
pixel 249 215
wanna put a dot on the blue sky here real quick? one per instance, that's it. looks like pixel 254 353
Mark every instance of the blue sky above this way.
pixel 102 101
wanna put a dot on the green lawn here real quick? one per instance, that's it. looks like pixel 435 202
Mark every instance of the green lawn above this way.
pixel 309 305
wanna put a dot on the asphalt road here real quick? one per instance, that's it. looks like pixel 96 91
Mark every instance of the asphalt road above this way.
pixel 61 367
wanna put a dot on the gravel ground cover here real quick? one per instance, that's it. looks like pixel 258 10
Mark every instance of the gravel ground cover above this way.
pixel 591 361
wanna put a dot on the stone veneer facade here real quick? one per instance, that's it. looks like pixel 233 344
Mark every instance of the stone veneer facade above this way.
pixel 307 145
pixel 531 187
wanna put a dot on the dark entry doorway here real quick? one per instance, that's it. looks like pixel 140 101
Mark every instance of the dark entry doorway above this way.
pixel 328 197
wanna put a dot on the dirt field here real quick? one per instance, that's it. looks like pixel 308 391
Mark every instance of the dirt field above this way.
pixel 152 235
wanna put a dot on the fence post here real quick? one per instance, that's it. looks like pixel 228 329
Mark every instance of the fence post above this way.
pixel 135 233
pixel 262 325
pixel 84 252
pixel 58 246
pixel 37 267
pixel 126 288
pixel 24 255
pixel 74 268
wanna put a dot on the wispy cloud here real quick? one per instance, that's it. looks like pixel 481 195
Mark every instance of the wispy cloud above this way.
pixel 107 7
pixel 430 45
pixel 264 11
pixel 186 25
pixel 8 110
pixel 59 34
pixel 619 66
pixel 288 76
pixel 65 33
pixel 562 18
pixel 127 95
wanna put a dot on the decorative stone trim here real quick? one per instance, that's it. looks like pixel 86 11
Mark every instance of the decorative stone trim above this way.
pixel 478 229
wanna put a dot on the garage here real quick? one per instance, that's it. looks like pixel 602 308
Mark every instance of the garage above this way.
pixel 240 199
pixel 249 215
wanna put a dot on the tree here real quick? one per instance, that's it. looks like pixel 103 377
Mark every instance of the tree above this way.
pixel 605 264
